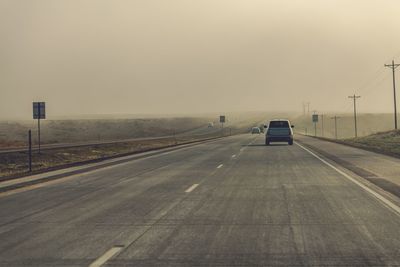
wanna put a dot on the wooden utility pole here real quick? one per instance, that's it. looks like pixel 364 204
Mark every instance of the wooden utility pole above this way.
pixel 354 97
pixel 335 118
pixel 393 67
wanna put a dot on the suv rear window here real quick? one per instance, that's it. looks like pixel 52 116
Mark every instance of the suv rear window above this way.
pixel 278 124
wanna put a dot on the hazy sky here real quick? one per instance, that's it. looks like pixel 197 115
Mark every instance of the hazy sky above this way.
pixel 180 56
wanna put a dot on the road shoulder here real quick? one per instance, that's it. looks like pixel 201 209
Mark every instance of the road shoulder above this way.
pixel 379 172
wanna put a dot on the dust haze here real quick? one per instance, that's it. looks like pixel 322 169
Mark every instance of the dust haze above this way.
pixel 189 57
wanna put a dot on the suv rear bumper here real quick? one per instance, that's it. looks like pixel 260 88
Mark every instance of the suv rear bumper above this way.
pixel 278 138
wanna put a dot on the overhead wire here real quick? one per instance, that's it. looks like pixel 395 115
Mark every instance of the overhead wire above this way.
pixel 379 77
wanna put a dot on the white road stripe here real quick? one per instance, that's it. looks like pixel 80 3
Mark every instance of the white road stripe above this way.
pixel 220 165
pixel 106 256
pixel 385 201
pixel 190 189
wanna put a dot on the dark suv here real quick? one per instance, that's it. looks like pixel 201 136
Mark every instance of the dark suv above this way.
pixel 279 131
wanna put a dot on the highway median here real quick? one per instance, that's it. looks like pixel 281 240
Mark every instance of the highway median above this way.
pixel 15 164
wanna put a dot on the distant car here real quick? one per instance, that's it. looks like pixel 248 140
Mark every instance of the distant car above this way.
pixel 255 130
pixel 210 124
pixel 279 131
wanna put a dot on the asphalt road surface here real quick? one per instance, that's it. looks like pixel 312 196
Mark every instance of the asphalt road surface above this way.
pixel 231 202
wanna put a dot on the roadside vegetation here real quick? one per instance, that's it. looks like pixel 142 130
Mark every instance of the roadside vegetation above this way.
pixel 14 133
pixel 384 142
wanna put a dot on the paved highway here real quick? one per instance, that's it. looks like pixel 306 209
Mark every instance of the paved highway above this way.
pixel 231 202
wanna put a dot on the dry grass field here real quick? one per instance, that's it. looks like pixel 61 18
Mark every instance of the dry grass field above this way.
pixel 385 142
pixel 14 133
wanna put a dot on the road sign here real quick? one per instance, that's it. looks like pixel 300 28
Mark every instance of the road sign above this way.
pixel 315 118
pixel 39 110
pixel 222 119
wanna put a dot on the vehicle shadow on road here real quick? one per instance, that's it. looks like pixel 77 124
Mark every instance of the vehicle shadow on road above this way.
pixel 266 145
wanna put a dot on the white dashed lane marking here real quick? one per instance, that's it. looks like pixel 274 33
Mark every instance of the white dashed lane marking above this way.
pixel 190 189
pixel 106 256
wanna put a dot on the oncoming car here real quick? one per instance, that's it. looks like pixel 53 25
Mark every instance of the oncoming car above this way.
pixel 255 130
pixel 279 130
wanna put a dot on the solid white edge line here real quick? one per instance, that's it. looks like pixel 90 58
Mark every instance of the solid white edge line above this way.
pixel 385 201
pixel 106 256
pixel 190 189
pixel 220 165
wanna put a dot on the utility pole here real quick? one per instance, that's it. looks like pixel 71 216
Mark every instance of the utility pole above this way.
pixel 393 67
pixel 354 97
pixel 335 118
pixel 306 106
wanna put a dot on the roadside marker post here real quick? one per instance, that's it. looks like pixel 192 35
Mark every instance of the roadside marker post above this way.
pixel 322 125
pixel 176 142
pixel 39 112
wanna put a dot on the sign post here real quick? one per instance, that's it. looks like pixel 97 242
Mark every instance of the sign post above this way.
pixel 39 112
pixel 222 121
pixel 30 149
pixel 315 120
